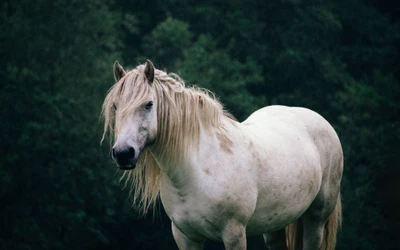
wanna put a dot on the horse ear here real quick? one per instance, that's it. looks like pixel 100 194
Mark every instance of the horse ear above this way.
pixel 149 71
pixel 119 72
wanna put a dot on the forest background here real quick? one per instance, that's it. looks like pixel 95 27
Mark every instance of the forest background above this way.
pixel 59 188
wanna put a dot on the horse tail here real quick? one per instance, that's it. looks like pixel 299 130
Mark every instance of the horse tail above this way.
pixel 294 235
pixel 294 231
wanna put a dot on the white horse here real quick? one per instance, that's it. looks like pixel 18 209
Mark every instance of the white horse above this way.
pixel 277 173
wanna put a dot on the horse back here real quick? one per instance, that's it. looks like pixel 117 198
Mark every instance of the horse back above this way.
pixel 301 127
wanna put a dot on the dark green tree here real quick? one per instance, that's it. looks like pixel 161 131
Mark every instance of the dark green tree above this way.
pixel 57 185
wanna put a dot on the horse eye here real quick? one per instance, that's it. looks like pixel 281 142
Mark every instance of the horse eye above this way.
pixel 114 106
pixel 149 105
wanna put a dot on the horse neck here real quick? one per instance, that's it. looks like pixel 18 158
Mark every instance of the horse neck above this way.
pixel 210 140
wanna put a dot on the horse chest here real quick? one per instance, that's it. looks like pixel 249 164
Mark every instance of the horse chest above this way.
pixel 191 216
pixel 205 212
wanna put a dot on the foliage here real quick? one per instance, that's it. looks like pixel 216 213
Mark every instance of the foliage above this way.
pixel 60 190
pixel 207 66
pixel 167 42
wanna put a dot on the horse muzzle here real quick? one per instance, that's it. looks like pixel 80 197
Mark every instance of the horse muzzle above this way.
pixel 124 157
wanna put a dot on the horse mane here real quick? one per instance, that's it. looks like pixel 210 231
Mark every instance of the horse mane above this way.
pixel 181 112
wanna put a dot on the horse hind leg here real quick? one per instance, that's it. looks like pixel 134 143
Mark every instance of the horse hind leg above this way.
pixel 276 240
pixel 313 233
pixel 320 225
pixel 323 218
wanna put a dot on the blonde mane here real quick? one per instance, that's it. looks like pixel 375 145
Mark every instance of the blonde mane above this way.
pixel 181 113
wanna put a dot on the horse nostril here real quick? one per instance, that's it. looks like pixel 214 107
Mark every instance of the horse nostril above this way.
pixel 124 156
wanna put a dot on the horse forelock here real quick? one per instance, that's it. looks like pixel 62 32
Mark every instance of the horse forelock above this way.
pixel 124 95
pixel 181 113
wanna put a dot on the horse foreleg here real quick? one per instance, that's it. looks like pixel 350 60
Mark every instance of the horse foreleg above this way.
pixel 183 242
pixel 234 236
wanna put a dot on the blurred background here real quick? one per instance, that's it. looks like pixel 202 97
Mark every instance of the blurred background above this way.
pixel 58 186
